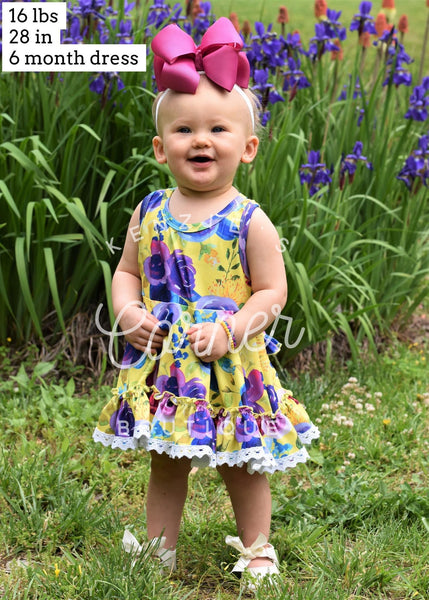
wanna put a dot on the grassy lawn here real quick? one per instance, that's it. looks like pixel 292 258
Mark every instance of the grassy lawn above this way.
pixel 352 523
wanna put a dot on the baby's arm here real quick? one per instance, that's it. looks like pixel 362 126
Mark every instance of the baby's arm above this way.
pixel 127 296
pixel 269 287
pixel 267 276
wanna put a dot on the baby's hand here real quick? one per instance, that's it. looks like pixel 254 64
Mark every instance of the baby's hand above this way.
pixel 141 329
pixel 208 341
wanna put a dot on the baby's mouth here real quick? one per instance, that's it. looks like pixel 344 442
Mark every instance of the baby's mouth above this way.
pixel 201 159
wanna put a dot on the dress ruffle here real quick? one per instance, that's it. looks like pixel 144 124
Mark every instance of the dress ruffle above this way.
pixel 184 427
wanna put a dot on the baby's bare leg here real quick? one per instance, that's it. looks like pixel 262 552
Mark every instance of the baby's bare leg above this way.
pixel 168 486
pixel 251 500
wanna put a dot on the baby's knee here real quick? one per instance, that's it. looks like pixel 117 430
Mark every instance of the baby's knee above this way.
pixel 169 468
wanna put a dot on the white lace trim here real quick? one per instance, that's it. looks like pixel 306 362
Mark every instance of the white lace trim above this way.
pixel 258 460
pixel 311 434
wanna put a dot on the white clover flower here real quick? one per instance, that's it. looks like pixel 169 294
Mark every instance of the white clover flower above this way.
pixel 352 380
pixel 369 407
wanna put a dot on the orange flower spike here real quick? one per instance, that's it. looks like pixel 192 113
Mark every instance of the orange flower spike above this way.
pixel 234 20
pixel 337 54
pixel 388 7
pixel 283 16
pixel 380 24
pixel 365 39
pixel 403 24
pixel 196 9
pixel 320 9
pixel 247 30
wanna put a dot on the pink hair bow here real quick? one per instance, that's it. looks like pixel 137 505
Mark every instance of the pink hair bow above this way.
pixel 177 59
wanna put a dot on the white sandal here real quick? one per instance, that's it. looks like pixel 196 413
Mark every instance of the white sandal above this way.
pixel 155 547
pixel 259 549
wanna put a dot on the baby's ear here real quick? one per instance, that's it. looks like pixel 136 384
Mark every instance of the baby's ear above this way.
pixel 158 150
pixel 250 150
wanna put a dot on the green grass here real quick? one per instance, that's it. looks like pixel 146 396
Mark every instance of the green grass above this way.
pixel 352 523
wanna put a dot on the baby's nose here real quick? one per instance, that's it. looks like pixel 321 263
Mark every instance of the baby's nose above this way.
pixel 201 139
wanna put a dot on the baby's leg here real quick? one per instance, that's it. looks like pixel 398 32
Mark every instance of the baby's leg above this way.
pixel 251 500
pixel 168 486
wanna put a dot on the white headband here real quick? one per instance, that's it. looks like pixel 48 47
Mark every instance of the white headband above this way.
pixel 236 88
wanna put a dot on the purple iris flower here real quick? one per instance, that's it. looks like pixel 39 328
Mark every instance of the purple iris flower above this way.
pixel 73 35
pixel 416 166
pixel 104 84
pixel 350 162
pixel 419 102
pixel 202 22
pixel 333 26
pixel 357 92
pixel 363 21
pixel 265 88
pixel 85 8
pixel 125 32
pixel 266 49
pixel 314 173
pixel 321 42
pixel 294 78
pixel 158 13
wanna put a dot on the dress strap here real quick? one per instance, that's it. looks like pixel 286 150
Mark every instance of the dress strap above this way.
pixel 153 196
pixel 244 230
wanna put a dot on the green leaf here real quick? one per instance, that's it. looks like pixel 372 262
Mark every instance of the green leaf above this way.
pixel 8 197
pixel 52 280
pixel 25 284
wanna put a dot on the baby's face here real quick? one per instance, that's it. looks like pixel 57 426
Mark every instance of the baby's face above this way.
pixel 204 136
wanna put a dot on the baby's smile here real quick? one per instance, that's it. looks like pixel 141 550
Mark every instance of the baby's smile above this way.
pixel 201 158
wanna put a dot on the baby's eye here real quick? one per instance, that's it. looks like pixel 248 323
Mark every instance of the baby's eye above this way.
pixel 218 129
pixel 183 130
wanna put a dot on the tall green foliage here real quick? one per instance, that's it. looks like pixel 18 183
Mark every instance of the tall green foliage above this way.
pixel 74 165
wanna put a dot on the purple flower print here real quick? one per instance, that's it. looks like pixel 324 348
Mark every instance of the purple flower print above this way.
pixel 254 389
pixel 277 427
pixel 200 425
pixel 302 427
pixel 168 312
pixel 216 303
pixel 224 423
pixel 132 357
pixel 156 267
pixel 181 279
pixel 122 421
pixel 274 402
pixel 246 430
pixel 177 385
pixel 166 410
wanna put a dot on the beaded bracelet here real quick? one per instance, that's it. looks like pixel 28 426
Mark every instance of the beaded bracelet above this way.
pixel 232 342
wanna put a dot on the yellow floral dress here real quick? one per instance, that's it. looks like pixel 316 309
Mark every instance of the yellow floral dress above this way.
pixel 232 411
